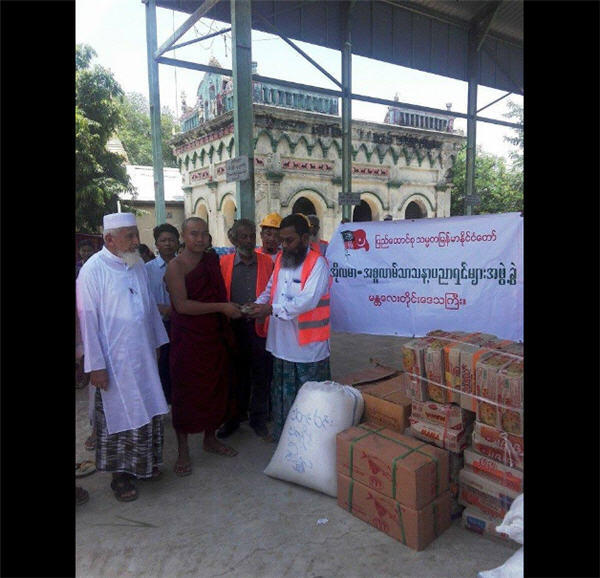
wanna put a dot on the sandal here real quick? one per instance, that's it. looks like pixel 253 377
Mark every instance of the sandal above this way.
pixel 84 468
pixel 122 486
pixel 81 496
pixel 90 444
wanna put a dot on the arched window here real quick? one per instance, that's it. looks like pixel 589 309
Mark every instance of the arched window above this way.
pixel 413 211
pixel 304 206
pixel 362 212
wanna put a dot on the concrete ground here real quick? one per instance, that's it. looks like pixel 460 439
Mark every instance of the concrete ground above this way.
pixel 228 519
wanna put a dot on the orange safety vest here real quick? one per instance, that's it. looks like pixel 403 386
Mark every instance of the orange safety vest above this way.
pixel 261 251
pixel 313 325
pixel 263 274
pixel 320 246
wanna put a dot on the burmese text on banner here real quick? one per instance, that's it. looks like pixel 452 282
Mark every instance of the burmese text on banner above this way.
pixel 409 277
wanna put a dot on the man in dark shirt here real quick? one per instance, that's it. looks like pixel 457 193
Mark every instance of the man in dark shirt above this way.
pixel 246 274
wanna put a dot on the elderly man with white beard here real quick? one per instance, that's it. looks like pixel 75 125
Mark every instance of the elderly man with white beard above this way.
pixel 121 330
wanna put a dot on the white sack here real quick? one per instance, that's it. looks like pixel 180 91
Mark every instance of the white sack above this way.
pixel 512 568
pixel 513 526
pixel 306 452
pixel 513 523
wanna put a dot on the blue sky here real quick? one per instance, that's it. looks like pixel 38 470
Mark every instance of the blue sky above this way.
pixel 116 29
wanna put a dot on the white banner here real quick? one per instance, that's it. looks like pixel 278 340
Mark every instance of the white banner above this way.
pixel 409 277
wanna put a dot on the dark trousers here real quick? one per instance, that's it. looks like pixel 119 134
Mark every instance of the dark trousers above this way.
pixel 252 364
pixel 163 365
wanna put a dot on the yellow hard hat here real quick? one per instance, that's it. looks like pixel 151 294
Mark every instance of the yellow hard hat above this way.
pixel 271 220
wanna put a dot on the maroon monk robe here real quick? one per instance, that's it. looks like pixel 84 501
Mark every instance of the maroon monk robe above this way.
pixel 198 356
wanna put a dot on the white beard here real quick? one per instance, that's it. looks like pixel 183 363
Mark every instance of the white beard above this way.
pixel 130 257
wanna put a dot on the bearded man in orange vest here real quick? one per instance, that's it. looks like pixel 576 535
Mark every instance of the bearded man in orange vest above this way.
pixel 246 274
pixel 295 304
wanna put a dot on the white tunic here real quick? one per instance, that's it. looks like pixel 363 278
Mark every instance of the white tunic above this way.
pixel 156 270
pixel 288 304
pixel 121 329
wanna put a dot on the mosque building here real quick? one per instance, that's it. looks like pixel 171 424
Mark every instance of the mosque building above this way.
pixel 400 167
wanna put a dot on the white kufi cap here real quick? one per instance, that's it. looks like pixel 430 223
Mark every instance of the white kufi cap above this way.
pixel 117 220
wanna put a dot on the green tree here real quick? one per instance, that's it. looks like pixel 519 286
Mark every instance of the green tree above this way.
pixel 515 113
pixel 516 156
pixel 495 183
pixel 134 131
pixel 100 175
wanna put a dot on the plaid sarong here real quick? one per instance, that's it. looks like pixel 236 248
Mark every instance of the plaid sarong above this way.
pixel 134 451
pixel 288 378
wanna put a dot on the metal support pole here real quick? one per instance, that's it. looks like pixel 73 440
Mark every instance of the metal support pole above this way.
pixel 471 122
pixel 243 117
pixel 157 162
pixel 347 111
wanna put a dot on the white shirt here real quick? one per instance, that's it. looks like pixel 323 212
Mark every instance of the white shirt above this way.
pixel 288 304
pixel 121 329
pixel 156 272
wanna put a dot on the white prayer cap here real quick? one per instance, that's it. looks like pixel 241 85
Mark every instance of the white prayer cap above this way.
pixel 117 220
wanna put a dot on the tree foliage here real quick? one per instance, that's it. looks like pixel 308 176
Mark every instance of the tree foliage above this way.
pixel 100 175
pixel 499 186
pixel 134 131
pixel 515 113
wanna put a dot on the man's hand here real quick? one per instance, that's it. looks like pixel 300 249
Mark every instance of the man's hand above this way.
pixel 232 310
pixel 258 311
pixel 99 379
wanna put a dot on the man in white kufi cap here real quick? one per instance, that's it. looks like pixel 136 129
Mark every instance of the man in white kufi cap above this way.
pixel 121 330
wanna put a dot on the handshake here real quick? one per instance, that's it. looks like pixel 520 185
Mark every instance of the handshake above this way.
pixel 256 310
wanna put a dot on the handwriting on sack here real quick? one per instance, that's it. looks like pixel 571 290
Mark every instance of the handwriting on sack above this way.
pixel 300 429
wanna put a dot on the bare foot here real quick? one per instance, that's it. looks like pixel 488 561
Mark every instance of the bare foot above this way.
pixel 214 446
pixel 183 467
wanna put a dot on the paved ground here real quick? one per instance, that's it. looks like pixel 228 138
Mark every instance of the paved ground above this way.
pixel 230 520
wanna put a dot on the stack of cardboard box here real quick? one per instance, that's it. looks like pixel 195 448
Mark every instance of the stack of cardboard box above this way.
pixel 394 482
pixel 492 476
pixel 455 378
pixel 436 415
pixel 460 393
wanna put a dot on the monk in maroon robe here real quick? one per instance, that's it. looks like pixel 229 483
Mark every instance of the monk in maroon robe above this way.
pixel 198 357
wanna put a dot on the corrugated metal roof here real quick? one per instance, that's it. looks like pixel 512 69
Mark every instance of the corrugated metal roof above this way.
pixel 428 35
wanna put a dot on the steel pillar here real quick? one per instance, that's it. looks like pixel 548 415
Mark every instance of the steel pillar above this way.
pixel 347 110
pixel 154 98
pixel 471 121
pixel 243 114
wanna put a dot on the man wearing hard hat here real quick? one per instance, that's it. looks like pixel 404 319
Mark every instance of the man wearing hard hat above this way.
pixel 269 233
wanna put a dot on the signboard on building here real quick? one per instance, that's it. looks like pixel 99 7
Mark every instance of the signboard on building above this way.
pixel 237 169
pixel 473 200
pixel 349 198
